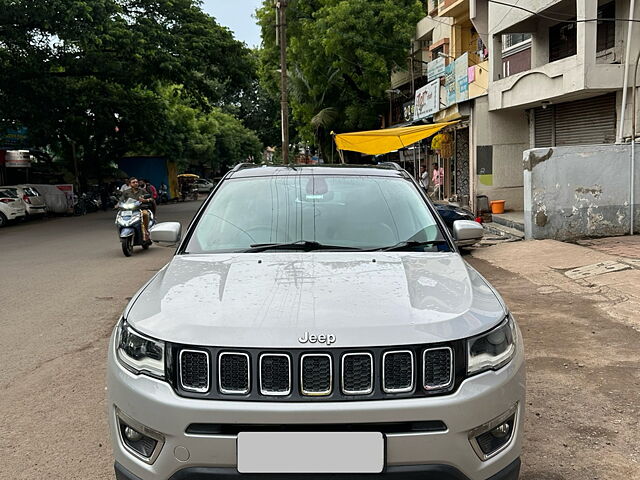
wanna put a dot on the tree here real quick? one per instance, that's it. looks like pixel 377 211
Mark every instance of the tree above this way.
pixel 340 57
pixel 85 76
pixel 200 139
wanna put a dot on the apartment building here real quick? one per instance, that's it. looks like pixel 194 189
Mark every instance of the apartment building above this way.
pixel 553 143
pixel 447 69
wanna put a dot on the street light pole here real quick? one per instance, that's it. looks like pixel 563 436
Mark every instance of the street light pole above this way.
pixel 281 6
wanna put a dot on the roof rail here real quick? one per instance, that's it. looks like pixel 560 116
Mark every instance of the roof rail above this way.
pixel 393 165
pixel 242 166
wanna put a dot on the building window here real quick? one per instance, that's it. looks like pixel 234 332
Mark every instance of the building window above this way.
pixel 606 29
pixel 562 41
pixel 513 39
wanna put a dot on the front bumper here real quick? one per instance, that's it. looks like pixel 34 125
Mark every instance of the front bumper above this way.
pixel 417 472
pixel 446 454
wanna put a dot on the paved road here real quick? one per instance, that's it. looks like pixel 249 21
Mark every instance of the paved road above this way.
pixel 63 284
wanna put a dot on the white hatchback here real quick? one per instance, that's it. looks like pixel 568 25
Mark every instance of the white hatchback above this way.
pixel 33 201
pixel 11 207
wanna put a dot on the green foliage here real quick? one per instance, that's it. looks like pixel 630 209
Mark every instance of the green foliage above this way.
pixel 340 56
pixel 91 76
pixel 211 139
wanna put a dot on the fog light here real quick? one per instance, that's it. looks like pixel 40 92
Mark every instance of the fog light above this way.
pixel 501 431
pixel 142 442
pixel 132 435
pixel 489 439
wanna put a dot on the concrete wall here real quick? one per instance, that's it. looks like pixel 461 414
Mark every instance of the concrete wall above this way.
pixel 507 132
pixel 577 192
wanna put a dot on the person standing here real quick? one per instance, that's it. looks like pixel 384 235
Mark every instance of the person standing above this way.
pixel 437 180
pixel 424 178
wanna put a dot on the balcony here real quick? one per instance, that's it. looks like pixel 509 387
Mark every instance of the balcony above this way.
pixel 563 80
pixel 453 8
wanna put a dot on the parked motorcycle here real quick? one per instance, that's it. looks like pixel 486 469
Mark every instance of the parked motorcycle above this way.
pixel 129 223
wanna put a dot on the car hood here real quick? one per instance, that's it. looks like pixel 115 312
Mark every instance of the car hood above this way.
pixel 271 299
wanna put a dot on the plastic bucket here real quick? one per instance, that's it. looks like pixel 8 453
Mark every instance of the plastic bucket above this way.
pixel 497 206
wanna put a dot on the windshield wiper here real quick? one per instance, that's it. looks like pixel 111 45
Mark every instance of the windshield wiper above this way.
pixel 304 245
pixel 412 244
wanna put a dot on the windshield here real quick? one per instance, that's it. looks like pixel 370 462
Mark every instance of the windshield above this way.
pixel 360 212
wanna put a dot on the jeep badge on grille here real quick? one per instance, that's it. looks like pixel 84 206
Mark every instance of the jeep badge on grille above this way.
pixel 322 338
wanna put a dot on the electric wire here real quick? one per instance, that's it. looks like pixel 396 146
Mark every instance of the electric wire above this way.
pixel 562 20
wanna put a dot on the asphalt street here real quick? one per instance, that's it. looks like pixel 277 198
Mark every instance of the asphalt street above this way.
pixel 64 284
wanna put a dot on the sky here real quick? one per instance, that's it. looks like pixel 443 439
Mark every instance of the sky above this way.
pixel 237 15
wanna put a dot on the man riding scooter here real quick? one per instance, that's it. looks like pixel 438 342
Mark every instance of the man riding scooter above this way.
pixel 141 195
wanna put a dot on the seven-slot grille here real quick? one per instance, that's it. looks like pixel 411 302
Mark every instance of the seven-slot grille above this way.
pixel 194 370
pixel 275 374
pixel 336 374
pixel 437 368
pixel 233 372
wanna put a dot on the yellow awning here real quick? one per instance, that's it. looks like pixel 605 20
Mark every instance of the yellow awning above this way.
pixel 377 142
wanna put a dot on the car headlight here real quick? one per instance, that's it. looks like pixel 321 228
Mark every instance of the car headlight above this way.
pixel 492 350
pixel 138 353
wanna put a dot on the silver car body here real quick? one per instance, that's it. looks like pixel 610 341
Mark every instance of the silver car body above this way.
pixel 272 300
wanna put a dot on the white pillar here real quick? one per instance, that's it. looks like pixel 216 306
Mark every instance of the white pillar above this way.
pixel 587 32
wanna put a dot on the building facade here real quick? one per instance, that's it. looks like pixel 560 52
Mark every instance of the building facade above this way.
pixel 447 71
pixel 555 94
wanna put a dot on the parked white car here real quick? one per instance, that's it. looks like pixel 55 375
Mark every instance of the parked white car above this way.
pixel 11 207
pixel 204 185
pixel 34 202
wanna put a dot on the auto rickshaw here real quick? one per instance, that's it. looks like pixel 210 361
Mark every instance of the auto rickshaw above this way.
pixel 187 186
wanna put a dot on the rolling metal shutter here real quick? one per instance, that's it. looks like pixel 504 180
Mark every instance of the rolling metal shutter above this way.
pixel 586 122
pixel 543 127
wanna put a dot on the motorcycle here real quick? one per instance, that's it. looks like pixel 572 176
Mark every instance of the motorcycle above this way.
pixel 163 194
pixel 129 223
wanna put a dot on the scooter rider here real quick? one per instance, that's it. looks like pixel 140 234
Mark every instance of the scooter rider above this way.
pixel 141 195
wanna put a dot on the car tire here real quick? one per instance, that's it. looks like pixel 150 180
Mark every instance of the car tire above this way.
pixel 3 220
pixel 127 246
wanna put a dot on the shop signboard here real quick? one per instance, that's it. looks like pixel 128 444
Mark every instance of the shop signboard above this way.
pixel 14 138
pixel 427 101
pixel 436 69
pixel 450 85
pixel 17 159
pixel 462 78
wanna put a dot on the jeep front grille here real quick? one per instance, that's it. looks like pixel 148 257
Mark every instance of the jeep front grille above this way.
pixel 438 368
pixel 275 374
pixel 357 373
pixel 308 374
pixel 316 374
pixel 194 370
pixel 233 373
pixel 397 371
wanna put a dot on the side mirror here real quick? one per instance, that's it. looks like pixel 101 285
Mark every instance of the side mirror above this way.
pixel 166 232
pixel 467 232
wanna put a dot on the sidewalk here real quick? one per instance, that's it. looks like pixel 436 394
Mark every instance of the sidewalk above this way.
pixel 578 307
pixel 605 271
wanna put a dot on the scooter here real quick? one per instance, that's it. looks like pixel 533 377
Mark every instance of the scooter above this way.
pixel 163 195
pixel 129 224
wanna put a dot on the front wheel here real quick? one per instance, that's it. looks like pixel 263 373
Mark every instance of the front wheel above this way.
pixel 127 246
pixel 3 220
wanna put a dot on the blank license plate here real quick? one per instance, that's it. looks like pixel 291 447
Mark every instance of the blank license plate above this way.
pixel 310 452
